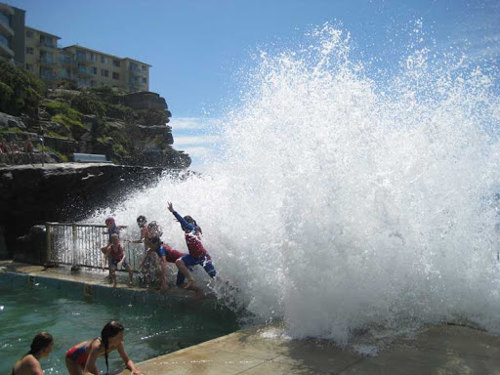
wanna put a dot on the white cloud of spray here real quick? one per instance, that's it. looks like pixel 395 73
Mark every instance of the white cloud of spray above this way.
pixel 346 202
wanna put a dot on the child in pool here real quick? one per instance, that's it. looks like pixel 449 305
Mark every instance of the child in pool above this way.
pixel 81 358
pixel 29 364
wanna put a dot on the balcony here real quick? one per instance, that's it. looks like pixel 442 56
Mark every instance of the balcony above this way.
pixel 5 28
pixel 4 8
pixel 82 60
pixel 49 45
pixel 5 51
pixel 44 61
pixel 83 72
pixel 66 61
pixel 48 75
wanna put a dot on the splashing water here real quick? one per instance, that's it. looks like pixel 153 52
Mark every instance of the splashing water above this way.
pixel 345 202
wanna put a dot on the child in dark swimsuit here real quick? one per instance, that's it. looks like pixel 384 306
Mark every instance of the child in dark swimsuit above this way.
pixel 29 364
pixel 81 358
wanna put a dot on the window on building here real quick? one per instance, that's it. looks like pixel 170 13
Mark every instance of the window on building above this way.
pixel 30 51
pixel 47 41
pixel 5 18
pixel 116 63
pixel 29 67
pixel 143 67
pixel 104 72
pixel 94 70
pixel 4 41
pixel 104 60
pixel 29 34
pixel 46 57
pixel 46 73
pixel 116 75
pixel 93 57
pixel 81 55
pixel 144 80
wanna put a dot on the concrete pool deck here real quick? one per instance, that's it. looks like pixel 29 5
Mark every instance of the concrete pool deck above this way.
pixel 439 350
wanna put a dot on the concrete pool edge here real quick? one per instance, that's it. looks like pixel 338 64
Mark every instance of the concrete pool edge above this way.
pixel 92 286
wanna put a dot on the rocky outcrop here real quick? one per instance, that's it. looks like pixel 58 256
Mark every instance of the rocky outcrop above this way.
pixel 128 128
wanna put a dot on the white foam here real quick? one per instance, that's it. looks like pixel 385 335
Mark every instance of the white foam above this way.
pixel 345 201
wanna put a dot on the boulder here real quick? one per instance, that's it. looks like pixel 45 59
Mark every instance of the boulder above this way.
pixel 8 121
pixel 145 100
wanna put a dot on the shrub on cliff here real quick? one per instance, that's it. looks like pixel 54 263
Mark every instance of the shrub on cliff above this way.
pixel 89 104
pixel 63 114
pixel 20 91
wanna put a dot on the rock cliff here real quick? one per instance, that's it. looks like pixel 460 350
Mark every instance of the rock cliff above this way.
pixel 129 128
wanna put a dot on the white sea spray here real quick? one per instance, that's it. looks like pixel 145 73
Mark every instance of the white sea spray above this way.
pixel 346 201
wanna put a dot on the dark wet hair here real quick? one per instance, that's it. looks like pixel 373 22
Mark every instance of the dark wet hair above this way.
pixel 141 219
pixel 192 221
pixel 155 240
pixel 111 329
pixel 154 225
pixel 109 220
pixel 40 342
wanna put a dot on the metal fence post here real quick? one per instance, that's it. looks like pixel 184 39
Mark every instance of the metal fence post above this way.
pixel 73 227
pixel 49 246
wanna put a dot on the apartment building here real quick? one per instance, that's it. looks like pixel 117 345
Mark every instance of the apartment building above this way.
pixel 38 52
pixel 41 54
pixel 91 68
pixel 12 34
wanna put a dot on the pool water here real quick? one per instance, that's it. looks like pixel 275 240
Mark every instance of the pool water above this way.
pixel 152 328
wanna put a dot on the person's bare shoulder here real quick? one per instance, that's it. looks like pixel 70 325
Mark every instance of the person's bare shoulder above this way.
pixel 29 365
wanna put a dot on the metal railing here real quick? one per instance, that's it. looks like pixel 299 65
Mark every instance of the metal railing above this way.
pixel 80 245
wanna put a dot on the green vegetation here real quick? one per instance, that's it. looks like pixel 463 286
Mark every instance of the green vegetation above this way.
pixel 63 158
pixel 20 91
pixel 89 104
pixel 11 130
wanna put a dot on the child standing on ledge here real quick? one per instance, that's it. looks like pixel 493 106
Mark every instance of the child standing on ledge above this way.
pixel 117 258
pixel 111 229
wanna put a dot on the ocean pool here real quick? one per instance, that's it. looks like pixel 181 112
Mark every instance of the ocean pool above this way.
pixel 74 312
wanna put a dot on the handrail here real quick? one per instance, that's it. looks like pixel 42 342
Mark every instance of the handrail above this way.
pixel 79 245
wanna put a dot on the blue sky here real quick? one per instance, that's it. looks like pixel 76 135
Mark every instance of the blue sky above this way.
pixel 198 47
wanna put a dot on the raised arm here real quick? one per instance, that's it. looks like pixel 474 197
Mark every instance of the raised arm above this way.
pixel 181 220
